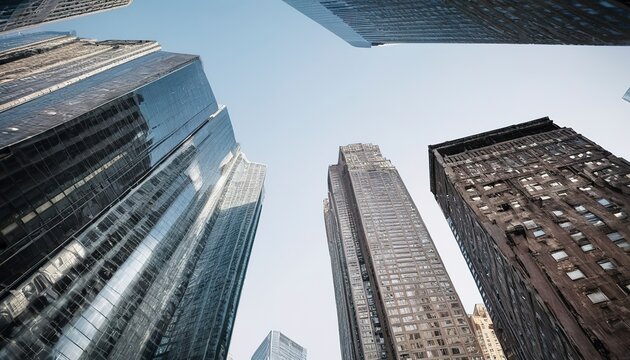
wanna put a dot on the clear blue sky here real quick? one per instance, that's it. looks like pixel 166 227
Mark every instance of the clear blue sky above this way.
pixel 296 92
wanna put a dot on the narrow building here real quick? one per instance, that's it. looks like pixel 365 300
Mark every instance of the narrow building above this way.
pixel 394 297
pixel 486 337
pixel 541 215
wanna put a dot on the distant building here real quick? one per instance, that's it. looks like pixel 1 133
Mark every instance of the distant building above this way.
pixel 627 96
pixel 127 209
pixel 17 14
pixel 278 346
pixel 541 216
pixel 484 330
pixel 394 297
pixel 365 23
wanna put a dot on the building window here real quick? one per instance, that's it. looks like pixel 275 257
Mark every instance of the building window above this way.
pixel 607 264
pixel 623 244
pixel 576 274
pixel 614 236
pixel 581 209
pixel 557 213
pixel 530 224
pixel 578 236
pixel 538 233
pixel 597 296
pixel 587 247
pixel 559 255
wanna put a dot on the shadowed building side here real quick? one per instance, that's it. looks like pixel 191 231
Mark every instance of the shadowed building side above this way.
pixel 364 23
pixel 540 213
pixel 18 14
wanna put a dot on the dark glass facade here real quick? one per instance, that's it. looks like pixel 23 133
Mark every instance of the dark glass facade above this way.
pixel 124 202
pixel 17 14
pixel 364 23
pixel 540 213
pixel 394 297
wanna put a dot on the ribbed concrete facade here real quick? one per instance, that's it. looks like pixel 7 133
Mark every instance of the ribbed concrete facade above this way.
pixel 541 215
pixel 365 23
pixel 394 297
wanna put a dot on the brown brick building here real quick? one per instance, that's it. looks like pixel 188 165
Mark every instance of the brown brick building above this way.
pixel 540 214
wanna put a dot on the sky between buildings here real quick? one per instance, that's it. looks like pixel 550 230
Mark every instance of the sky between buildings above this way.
pixel 295 92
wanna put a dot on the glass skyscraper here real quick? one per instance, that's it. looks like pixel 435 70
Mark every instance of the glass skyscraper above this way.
pixel 364 23
pixel 394 297
pixel 17 14
pixel 541 216
pixel 127 210
pixel 627 96
pixel 277 346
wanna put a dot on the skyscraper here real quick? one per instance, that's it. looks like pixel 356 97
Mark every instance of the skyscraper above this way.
pixel 484 330
pixel 627 96
pixel 540 213
pixel 277 346
pixel 364 23
pixel 17 14
pixel 394 297
pixel 127 210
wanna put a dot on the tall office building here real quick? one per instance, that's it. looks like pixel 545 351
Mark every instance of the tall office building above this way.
pixel 627 96
pixel 17 14
pixel 486 337
pixel 394 297
pixel 127 210
pixel 540 213
pixel 364 23
pixel 277 346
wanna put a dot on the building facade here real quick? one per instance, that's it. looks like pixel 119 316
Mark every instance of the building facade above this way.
pixel 540 214
pixel 18 14
pixel 365 23
pixel 125 203
pixel 486 337
pixel 627 96
pixel 278 346
pixel 394 297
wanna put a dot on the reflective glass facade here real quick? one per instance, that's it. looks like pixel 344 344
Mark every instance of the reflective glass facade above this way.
pixel 541 216
pixel 16 14
pixel 364 23
pixel 127 213
pixel 394 297
pixel 277 346
pixel 627 96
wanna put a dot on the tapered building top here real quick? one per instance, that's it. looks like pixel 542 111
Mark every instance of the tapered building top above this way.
pixel 627 96
pixel 19 14
pixel 541 215
pixel 364 23
pixel 278 346
pixel 394 297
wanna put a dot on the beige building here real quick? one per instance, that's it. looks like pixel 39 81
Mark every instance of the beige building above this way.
pixel 484 330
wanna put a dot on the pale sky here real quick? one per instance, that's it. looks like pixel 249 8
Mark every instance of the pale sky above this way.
pixel 295 92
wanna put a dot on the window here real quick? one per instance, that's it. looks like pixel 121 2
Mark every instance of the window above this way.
pixel 576 274
pixel 614 236
pixel 566 225
pixel 557 213
pixel 607 264
pixel 538 233
pixel 623 244
pixel 578 236
pixel 597 296
pixel 530 224
pixel 581 209
pixel 559 255
pixel 587 247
